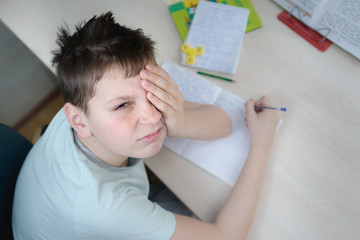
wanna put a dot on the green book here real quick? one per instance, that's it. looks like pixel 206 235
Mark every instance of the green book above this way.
pixel 183 13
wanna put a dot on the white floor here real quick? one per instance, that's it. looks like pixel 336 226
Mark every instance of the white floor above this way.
pixel 24 80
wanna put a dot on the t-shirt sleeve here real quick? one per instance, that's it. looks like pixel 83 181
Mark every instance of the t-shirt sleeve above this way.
pixel 126 214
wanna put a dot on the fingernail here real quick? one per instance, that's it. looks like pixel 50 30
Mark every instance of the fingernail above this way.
pixel 149 67
pixel 146 83
pixel 143 74
pixel 150 95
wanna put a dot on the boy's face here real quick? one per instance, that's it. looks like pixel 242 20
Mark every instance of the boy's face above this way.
pixel 122 121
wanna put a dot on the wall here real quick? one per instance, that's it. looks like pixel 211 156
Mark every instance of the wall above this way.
pixel 24 79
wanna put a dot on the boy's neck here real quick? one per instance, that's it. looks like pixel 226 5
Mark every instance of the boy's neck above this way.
pixel 113 161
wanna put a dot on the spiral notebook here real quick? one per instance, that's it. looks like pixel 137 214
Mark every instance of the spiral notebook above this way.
pixel 219 29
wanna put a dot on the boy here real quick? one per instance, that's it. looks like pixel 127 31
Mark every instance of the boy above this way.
pixel 84 178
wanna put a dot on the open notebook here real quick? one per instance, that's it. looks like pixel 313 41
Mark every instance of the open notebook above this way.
pixel 225 157
pixel 219 29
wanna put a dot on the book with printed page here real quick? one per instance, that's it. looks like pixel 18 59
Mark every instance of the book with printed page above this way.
pixel 338 21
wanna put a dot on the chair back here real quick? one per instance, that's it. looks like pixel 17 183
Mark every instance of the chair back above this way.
pixel 13 151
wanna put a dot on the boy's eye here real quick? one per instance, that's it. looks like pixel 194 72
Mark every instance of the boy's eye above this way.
pixel 121 106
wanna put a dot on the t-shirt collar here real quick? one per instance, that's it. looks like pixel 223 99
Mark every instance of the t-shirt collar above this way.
pixel 92 157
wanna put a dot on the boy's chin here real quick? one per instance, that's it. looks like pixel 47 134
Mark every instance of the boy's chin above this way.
pixel 150 152
pixel 150 155
pixel 154 152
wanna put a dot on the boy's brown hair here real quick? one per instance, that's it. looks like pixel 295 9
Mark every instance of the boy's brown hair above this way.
pixel 97 45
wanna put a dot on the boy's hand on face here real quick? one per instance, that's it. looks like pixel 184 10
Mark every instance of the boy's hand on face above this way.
pixel 165 95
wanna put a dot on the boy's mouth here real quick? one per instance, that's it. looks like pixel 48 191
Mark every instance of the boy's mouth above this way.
pixel 151 137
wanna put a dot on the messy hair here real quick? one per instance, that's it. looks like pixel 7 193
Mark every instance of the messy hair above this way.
pixel 97 45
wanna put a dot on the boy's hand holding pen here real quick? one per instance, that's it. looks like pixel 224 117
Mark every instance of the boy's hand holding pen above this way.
pixel 261 123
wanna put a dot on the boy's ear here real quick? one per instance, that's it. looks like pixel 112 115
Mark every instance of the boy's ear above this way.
pixel 77 119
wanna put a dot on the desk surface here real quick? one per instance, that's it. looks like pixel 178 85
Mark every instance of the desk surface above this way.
pixel 311 189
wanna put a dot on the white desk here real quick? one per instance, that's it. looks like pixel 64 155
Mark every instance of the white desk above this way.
pixel 311 189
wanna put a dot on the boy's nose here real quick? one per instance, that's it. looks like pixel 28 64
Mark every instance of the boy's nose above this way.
pixel 149 114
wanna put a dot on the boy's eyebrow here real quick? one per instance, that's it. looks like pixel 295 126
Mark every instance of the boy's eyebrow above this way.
pixel 118 98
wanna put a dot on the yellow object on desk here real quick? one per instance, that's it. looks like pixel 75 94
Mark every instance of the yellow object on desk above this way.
pixel 191 53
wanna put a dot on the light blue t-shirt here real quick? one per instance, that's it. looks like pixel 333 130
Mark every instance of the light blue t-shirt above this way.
pixel 64 192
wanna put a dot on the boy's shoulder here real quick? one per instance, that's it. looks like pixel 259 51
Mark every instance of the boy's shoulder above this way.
pixel 55 152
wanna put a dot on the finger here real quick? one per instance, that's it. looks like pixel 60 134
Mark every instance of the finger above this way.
pixel 159 93
pixel 158 70
pixel 162 106
pixel 159 82
pixel 249 108
pixel 162 88
pixel 265 101
pixel 160 77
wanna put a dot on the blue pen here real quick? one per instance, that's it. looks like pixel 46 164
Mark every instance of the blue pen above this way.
pixel 271 108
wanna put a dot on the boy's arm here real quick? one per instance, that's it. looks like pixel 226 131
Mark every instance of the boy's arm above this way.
pixel 183 119
pixel 235 217
pixel 205 122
